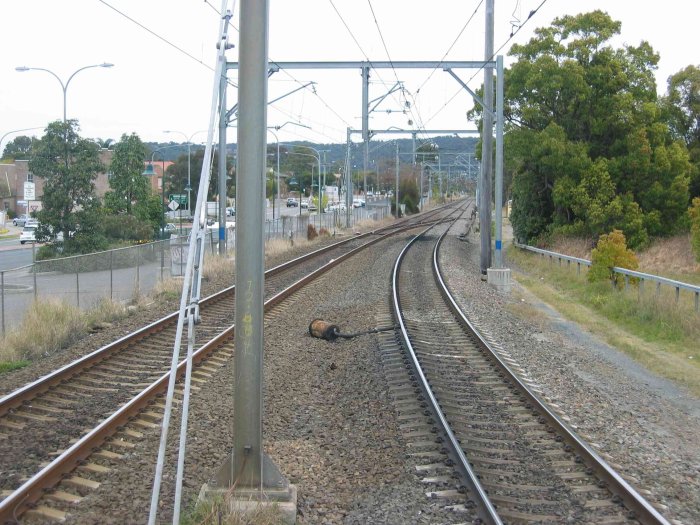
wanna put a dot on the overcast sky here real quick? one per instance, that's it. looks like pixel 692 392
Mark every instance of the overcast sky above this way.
pixel 154 86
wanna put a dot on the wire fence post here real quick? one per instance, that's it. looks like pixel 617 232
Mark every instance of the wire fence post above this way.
pixel 34 276
pixel 162 258
pixel 138 268
pixel 111 275
pixel 2 300
pixel 77 280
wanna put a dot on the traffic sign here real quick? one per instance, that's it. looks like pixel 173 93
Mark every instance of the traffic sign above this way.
pixel 173 205
pixel 180 198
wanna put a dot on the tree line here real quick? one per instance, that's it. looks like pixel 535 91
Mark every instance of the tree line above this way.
pixel 590 147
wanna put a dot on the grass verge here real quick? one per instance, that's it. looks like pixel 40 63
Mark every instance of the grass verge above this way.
pixel 217 512
pixel 655 331
pixel 51 325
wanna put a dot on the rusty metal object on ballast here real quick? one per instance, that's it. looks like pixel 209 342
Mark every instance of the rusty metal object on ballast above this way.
pixel 330 332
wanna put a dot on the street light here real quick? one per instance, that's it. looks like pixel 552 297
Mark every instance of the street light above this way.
pixel 188 188
pixel 11 132
pixel 22 69
pixel 149 172
pixel 318 158
pixel 277 128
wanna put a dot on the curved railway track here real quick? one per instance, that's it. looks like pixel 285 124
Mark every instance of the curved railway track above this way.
pixel 94 408
pixel 491 447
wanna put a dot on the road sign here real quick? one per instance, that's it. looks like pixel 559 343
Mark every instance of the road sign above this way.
pixel 173 205
pixel 180 198
pixel 29 193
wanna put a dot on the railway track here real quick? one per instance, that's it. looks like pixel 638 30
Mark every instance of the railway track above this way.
pixel 487 446
pixel 79 403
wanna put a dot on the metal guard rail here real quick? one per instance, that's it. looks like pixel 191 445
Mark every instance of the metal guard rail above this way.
pixel 678 285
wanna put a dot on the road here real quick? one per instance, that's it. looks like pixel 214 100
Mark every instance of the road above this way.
pixel 14 255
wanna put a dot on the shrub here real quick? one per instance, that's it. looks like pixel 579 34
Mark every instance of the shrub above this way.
pixel 311 233
pixel 694 213
pixel 611 251
pixel 126 227
pixel 323 232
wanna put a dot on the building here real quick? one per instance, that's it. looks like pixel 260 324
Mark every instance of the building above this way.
pixel 14 176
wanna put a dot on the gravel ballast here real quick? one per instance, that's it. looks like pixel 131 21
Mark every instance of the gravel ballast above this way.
pixel 644 426
pixel 330 426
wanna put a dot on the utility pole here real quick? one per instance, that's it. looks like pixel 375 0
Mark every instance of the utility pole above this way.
pixel 222 164
pixel 247 465
pixel 486 147
pixel 396 195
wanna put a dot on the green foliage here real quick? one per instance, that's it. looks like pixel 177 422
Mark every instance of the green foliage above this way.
pixel 12 365
pixel 127 228
pixel 69 165
pixel 127 181
pixel 408 194
pixel 18 148
pixel 176 175
pixel 587 140
pixel 611 251
pixel 150 211
pixel 694 213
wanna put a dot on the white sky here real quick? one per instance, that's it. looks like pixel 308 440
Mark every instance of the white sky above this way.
pixel 154 87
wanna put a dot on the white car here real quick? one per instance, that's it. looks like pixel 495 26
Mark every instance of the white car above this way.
pixel 358 203
pixel 28 233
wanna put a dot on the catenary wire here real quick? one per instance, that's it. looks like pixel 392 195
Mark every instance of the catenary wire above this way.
pixel 512 35
pixel 165 40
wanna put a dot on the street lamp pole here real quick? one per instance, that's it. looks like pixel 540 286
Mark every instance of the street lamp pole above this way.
pixel 318 159
pixel 188 188
pixel 64 87
pixel 277 128
pixel 11 132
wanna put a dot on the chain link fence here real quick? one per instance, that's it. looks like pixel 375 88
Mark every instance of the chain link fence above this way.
pixel 123 274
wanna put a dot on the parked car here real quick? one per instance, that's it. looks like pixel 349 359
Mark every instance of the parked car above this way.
pixel 20 220
pixel 305 203
pixel 292 202
pixel 28 233
pixel 358 203
pixel 230 212
pixel 311 206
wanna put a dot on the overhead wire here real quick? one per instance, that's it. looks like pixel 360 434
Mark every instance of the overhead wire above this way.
pixel 459 35
pixel 159 37
pixel 352 35
pixel 495 53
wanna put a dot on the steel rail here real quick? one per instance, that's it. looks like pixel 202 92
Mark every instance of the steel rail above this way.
pixel 31 491
pixel 31 390
pixel 43 384
pixel 638 507
pixel 484 508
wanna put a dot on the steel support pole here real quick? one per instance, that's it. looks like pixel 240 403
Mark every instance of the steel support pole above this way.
pixel 365 123
pixel 499 161
pixel 396 195
pixel 420 188
pixel 252 125
pixel 348 182
pixel 486 147
pixel 413 143
pixel 222 164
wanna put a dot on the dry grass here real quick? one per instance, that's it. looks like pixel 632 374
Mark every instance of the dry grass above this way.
pixel 167 289
pixel 216 512
pixel 51 325
pixel 669 256
pixel 218 267
pixel 48 326
pixel 573 246
pixel 275 247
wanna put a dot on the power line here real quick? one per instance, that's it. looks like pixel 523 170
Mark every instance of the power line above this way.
pixel 461 31
pixel 165 40
pixel 512 35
